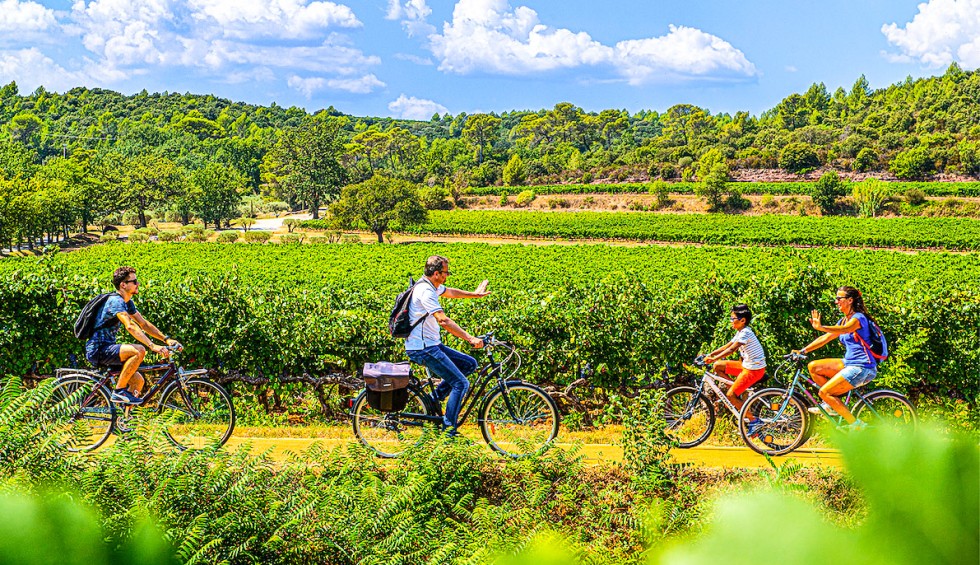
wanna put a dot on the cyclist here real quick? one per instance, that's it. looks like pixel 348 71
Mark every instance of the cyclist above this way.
pixel 751 369
pixel 102 349
pixel 424 345
pixel 837 376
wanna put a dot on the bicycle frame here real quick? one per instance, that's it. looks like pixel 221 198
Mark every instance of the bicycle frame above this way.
pixel 797 386
pixel 173 374
pixel 486 374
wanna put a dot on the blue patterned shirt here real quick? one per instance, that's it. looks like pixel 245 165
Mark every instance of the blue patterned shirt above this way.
pixel 108 324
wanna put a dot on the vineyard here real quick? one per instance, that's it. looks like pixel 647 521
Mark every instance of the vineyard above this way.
pixel 281 311
pixel 915 233
pixel 962 189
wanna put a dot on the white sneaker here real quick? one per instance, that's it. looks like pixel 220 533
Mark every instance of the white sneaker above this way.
pixel 816 409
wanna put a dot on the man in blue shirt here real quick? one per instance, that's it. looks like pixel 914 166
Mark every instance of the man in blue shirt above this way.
pixel 424 346
pixel 102 349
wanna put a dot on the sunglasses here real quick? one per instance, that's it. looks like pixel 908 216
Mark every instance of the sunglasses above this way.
pixel 839 298
pixel 134 281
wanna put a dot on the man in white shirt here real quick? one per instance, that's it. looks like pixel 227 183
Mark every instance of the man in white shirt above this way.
pixel 424 346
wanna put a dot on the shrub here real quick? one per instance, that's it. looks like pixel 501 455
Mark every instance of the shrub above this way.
pixel 169 236
pixel 636 206
pixel 767 200
pixel 525 198
pixel 245 222
pixel 291 238
pixel 827 190
pixel 434 197
pixel 139 236
pixel 866 160
pixel 198 236
pixel 276 207
pixel 915 196
pixel 869 196
pixel 228 236
pixel 712 188
pixel 687 174
pixel 504 201
pixel 557 202
pixel 588 201
pixel 798 158
pixel 912 164
pixel 257 236
pixel 109 237
pixel 661 190
pixel 350 238
pixel 291 223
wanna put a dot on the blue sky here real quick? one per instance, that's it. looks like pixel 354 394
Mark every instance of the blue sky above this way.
pixel 410 58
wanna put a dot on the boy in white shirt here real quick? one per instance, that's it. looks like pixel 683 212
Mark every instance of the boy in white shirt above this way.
pixel 752 368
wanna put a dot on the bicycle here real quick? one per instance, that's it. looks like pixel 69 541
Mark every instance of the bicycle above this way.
pixel 516 418
pixel 690 411
pixel 786 419
pixel 197 412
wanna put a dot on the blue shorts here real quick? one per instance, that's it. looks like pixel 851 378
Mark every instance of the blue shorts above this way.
pixel 858 376
pixel 107 356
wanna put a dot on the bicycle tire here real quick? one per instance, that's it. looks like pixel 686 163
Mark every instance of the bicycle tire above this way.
pixel 778 436
pixel 389 434
pixel 886 407
pixel 690 416
pixel 519 421
pixel 94 422
pixel 210 418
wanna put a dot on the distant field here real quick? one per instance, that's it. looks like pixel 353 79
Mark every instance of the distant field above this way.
pixel 929 188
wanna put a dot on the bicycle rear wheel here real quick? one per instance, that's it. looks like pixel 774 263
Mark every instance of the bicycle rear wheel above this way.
pixel 783 429
pixel 388 434
pixel 690 417
pixel 83 413
pixel 520 420
pixel 886 408
pixel 197 415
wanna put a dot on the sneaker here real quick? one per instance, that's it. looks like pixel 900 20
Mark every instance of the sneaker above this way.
pixel 856 426
pixel 123 396
pixel 816 409
pixel 753 426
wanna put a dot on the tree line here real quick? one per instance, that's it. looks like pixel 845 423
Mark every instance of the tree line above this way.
pixel 92 155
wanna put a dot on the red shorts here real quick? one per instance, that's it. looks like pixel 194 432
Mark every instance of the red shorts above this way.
pixel 744 378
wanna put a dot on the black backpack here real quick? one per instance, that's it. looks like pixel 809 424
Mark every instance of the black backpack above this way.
pixel 85 325
pixel 399 323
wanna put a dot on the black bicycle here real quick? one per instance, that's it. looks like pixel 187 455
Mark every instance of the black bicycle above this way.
pixel 517 418
pixel 195 411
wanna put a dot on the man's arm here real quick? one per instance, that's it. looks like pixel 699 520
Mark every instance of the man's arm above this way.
pixel 150 329
pixel 452 327
pixel 459 293
pixel 134 329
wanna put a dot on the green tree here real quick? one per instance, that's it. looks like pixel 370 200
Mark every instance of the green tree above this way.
pixel 798 158
pixel 712 188
pixel 480 130
pixel 150 180
pixel 869 196
pixel 866 160
pixel 219 193
pixel 514 171
pixel 378 203
pixel 307 161
pixel 827 190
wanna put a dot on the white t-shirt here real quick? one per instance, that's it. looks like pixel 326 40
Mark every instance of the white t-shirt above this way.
pixel 425 300
pixel 753 356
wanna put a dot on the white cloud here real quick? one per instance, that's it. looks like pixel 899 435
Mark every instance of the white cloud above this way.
pixel 275 18
pixel 424 61
pixel 412 108
pixel 942 32
pixel 23 17
pixel 490 36
pixel 359 85
pixel 413 15
pixel 683 52
pixel 31 68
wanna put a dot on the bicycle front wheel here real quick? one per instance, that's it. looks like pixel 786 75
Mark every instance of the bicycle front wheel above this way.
pixel 197 414
pixel 886 408
pixel 785 422
pixel 519 420
pixel 690 417
pixel 389 434
pixel 83 414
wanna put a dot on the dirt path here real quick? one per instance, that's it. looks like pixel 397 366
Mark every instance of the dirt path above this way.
pixel 594 453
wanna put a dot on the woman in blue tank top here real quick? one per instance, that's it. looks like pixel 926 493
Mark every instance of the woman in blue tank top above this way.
pixel 837 376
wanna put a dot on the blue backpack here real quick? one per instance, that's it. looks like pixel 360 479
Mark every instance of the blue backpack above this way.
pixel 877 345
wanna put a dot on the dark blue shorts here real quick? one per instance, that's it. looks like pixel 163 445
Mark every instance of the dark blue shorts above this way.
pixel 106 356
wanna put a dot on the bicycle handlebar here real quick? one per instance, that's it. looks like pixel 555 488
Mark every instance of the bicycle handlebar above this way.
pixel 795 357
